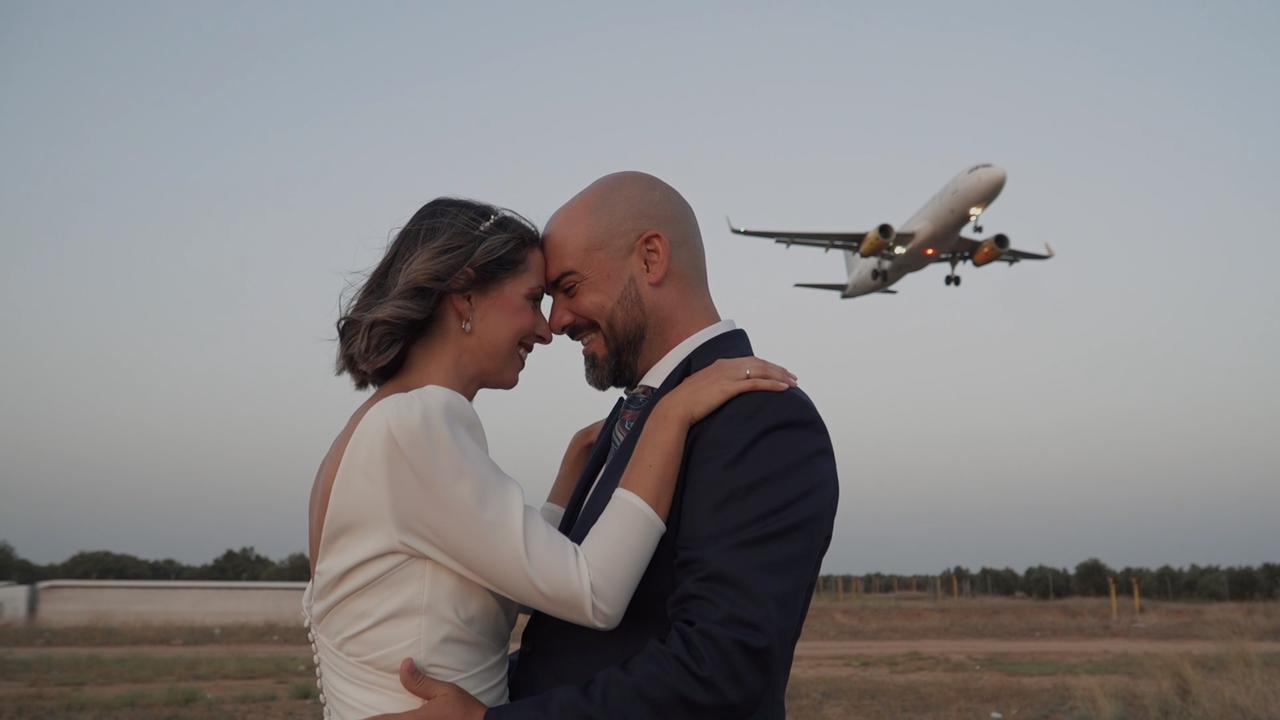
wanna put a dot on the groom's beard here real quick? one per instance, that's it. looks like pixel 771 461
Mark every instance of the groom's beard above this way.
pixel 625 331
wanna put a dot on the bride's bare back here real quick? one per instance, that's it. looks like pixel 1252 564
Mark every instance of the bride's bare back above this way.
pixel 322 488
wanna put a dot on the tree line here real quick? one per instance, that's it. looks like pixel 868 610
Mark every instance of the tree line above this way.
pixel 242 564
pixel 1090 579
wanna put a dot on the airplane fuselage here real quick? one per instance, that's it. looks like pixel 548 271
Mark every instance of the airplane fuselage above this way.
pixel 935 229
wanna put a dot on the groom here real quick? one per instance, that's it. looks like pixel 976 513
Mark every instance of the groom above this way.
pixel 712 628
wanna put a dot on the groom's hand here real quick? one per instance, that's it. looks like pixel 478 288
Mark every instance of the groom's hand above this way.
pixel 445 701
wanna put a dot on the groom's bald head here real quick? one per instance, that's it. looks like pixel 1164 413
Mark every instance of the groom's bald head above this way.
pixel 611 213
pixel 626 267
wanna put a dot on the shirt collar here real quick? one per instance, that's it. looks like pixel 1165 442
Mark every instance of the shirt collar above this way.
pixel 661 369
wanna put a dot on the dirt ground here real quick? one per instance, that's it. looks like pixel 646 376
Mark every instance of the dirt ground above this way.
pixel 1046 660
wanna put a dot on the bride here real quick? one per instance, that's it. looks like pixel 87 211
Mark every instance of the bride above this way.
pixel 421 546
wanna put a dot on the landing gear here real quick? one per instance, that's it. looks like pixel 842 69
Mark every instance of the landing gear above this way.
pixel 878 275
pixel 953 278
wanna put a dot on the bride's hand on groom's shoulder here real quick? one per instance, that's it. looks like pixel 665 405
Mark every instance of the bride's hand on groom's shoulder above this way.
pixel 709 388
pixel 444 701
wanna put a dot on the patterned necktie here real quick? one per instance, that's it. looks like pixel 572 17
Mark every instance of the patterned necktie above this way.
pixel 631 407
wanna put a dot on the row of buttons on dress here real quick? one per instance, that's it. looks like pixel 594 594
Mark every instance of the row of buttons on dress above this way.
pixel 315 657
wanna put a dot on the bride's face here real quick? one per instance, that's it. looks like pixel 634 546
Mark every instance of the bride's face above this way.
pixel 508 323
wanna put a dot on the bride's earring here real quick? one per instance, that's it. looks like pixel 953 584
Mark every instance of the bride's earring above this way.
pixel 466 326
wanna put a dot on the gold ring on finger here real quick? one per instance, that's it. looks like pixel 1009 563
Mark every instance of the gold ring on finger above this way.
pixel 748 373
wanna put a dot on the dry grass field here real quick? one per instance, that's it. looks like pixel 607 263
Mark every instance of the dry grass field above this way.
pixel 881 657
pixel 909 657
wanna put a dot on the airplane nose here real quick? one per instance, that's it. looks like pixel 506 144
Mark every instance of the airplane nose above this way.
pixel 997 176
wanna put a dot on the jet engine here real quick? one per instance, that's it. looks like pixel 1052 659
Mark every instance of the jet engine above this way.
pixel 990 250
pixel 876 241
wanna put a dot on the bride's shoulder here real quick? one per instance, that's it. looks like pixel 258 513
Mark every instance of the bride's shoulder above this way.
pixel 430 407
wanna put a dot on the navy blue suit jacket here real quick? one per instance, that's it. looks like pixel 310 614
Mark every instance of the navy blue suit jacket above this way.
pixel 712 627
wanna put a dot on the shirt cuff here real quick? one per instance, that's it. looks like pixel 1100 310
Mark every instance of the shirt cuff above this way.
pixel 552 513
pixel 628 496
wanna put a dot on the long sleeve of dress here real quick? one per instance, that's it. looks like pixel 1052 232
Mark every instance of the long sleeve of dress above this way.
pixel 451 503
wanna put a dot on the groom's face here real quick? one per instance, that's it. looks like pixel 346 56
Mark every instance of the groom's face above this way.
pixel 595 301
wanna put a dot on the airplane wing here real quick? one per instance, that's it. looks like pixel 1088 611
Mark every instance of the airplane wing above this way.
pixel 1024 255
pixel 968 246
pixel 825 240
pixel 837 287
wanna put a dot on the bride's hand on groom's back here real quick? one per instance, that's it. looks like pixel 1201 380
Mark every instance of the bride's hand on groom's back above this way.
pixel 574 462
pixel 585 439
pixel 709 388
pixel 445 701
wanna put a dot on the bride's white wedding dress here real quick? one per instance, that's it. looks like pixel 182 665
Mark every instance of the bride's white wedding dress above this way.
pixel 428 548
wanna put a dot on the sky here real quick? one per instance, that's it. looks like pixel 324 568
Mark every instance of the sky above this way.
pixel 188 188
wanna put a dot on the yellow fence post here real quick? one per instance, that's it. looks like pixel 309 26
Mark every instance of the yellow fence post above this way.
pixel 1137 596
pixel 1115 611
pixel 955 587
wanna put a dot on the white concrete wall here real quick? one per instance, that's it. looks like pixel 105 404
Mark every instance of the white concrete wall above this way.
pixel 14 600
pixel 161 602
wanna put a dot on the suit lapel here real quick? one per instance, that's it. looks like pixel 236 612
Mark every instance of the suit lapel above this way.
pixel 731 344
pixel 598 454
pixel 613 471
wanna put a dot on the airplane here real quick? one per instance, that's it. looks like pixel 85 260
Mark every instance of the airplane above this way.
pixel 877 259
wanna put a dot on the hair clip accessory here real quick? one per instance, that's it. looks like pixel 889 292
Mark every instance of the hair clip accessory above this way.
pixel 488 223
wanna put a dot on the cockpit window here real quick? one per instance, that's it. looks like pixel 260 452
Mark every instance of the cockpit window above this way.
pixel 978 167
